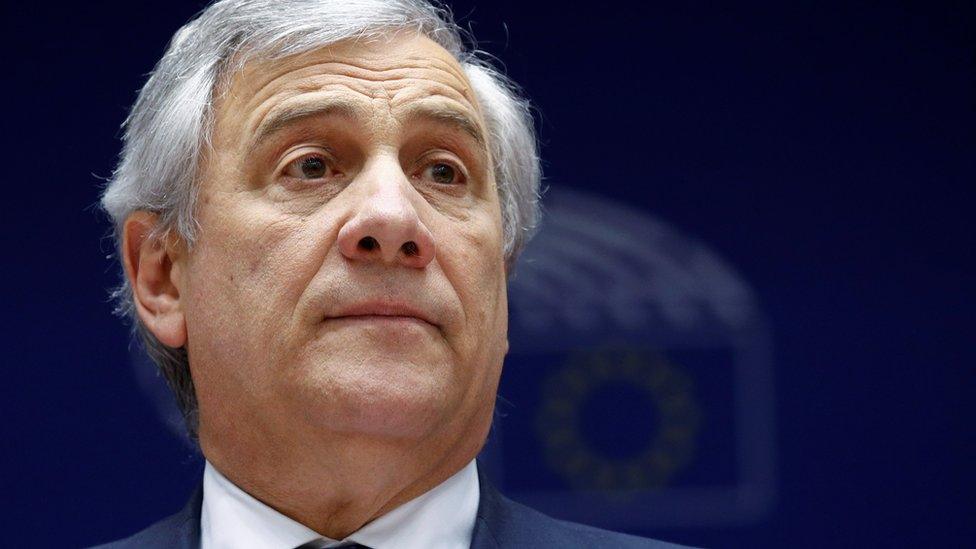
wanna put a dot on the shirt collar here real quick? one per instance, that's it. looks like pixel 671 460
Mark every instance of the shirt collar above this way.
pixel 442 517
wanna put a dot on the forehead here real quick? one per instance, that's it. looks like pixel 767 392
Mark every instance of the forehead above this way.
pixel 393 73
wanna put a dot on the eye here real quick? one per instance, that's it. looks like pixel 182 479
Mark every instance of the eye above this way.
pixel 310 166
pixel 443 174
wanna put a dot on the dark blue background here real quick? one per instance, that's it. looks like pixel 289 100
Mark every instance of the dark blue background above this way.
pixel 824 149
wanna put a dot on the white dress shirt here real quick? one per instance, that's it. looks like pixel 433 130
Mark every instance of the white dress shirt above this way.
pixel 443 517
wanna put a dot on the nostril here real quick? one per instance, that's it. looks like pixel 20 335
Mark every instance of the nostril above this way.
pixel 368 243
pixel 410 248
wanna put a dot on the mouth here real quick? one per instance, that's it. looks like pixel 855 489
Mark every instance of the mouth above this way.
pixel 383 312
pixel 388 323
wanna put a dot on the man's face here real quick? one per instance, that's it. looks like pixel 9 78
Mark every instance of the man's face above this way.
pixel 348 277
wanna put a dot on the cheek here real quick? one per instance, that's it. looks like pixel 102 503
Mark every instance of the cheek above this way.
pixel 247 272
pixel 474 263
pixel 478 276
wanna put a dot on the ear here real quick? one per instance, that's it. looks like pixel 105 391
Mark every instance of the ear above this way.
pixel 153 268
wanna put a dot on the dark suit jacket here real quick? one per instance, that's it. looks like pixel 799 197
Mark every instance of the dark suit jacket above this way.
pixel 501 523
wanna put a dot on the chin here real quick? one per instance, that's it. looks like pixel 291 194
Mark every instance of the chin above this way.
pixel 376 396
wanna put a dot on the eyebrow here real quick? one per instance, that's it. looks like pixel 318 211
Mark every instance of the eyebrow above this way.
pixel 281 117
pixel 449 116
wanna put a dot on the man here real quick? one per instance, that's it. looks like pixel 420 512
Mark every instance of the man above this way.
pixel 317 207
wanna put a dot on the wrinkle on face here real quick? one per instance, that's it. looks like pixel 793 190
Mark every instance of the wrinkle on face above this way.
pixel 359 68
pixel 373 77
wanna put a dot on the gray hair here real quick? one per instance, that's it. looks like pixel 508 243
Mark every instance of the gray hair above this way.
pixel 172 119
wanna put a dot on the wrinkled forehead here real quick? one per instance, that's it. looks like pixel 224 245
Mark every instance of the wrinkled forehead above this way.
pixel 397 69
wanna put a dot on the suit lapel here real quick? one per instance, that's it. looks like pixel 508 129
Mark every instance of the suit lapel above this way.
pixel 183 528
pixel 490 526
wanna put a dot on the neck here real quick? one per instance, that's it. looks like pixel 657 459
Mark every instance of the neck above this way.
pixel 337 486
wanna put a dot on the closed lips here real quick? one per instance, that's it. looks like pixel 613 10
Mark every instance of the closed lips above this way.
pixel 391 310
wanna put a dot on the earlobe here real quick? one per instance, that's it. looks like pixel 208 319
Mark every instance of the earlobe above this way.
pixel 152 269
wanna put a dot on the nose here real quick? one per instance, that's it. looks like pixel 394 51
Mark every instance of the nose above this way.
pixel 386 226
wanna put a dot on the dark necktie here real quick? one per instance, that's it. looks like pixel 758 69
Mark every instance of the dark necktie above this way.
pixel 321 543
